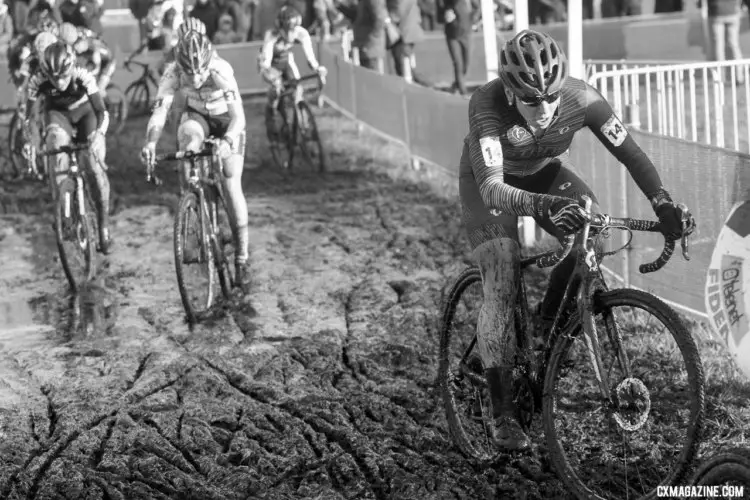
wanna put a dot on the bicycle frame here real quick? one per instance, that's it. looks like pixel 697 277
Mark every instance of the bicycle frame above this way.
pixel 74 172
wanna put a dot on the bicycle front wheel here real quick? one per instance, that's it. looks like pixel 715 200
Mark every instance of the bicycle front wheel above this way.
pixel 117 105
pixel 460 371
pixel 75 235
pixel 193 258
pixel 279 131
pixel 730 468
pixel 138 98
pixel 646 431
pixel 309 138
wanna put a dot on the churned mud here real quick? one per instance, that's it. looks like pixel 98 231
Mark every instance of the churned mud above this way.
pixel 319 385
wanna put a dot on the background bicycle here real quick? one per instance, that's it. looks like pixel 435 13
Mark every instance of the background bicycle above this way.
pixel 75 219
pixel 614 422
pixel 138 92
pixel 198 239
pixel 293 126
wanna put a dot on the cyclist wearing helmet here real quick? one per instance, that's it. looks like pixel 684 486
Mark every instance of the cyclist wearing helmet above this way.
pixel 73 108
pixel 515 163
pixel 207 96
pixel 22 47
pixel 275 61
pixel 91 51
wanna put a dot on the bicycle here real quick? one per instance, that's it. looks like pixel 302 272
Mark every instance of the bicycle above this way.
pixel 296 125
pixel 75 219
pixel 731 467
pixel 576 335
pixel 138 93
pixel 200 202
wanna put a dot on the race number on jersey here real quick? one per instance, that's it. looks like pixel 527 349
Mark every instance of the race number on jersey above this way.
pixel 727 283
pixel 492 151
pixel 614 130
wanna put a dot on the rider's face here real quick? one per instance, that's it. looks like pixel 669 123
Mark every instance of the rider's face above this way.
pixel 198 79
pixel 538 115
pixel 62 82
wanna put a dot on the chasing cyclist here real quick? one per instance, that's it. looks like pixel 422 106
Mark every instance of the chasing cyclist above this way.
pixel 204 90
pixel 515 163
pixel 275 61
pixel 91 51
pixel 73 108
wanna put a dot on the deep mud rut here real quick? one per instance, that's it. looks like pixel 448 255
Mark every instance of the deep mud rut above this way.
pixel 320 386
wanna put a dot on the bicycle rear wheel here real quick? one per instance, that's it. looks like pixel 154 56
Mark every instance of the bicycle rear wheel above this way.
pixel 138 97
pixel 728 468
pixel 192 248
pixel 76 237
pixel 117 105
pixel 309 138
pixel 280 137
pixel 460 371
pixel 647 432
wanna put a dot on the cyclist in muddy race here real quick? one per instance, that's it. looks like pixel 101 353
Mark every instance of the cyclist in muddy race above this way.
pixel 515 163
pixel 275 61
pixel 92 53
pixel 73 109
pixel 204 90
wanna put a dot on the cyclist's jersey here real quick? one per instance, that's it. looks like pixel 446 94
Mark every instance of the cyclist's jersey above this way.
pixel 500 142
pixel 82 88
pixel 275 51
pixel 93 53
pixel 212 99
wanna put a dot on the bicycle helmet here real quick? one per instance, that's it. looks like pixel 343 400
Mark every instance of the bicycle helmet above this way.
pixel 58 61
pixel 42 41
pixel 191 24
pixel 532 65
pixel 194 53
pixel 68 33
pixel 288 18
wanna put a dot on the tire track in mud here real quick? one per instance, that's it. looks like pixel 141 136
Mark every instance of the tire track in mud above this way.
pixel 319 385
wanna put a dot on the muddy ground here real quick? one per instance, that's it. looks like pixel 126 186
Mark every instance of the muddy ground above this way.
pixel 320 385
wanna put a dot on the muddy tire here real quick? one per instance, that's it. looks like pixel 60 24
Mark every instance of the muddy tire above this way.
pixel 562 361
pixel 452 379
pixel 728 467
pixel 280 134
pixel 309 138
pixel 76 238
pixel 190 217
pixel 222 265
pixel 138 97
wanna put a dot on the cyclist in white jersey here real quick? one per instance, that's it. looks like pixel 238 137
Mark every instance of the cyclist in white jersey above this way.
pixel 204 90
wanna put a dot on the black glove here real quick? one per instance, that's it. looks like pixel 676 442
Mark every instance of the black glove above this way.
pixel 675 218
pixel 567 215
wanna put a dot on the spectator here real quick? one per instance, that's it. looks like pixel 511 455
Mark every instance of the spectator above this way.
pixel 406 16
pixel 724 31
pixel 369 33
pixel 139 9
pixel 661 6
pixel 6 28
pixel 82 13
pixel 459 16
pixel 428 9
pixel 39 9
pixel 19 14
pixel 620 8
pixel 226 32
pixel 208 13
pixel 547 11
pixel 233 8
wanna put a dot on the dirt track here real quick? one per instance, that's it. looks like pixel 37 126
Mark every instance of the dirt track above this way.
pixel 320 387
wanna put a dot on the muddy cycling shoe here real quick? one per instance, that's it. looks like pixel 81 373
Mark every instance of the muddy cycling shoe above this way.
pixel 509 435
pixel 242 277
pixel 106 243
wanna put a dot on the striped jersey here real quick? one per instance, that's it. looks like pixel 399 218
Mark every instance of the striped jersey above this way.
pixel 82 85
pixel 501 143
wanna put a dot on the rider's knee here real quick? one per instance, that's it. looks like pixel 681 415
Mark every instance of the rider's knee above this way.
pixel 190 135
pixel 56 137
